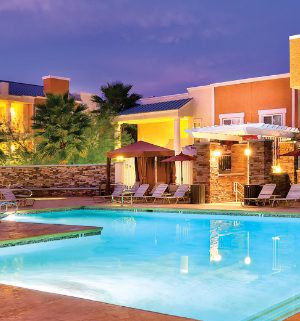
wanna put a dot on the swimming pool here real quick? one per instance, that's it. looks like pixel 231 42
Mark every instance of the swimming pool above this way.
pixel 207 267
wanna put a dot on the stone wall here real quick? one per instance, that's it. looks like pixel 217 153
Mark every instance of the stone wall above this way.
pixel 219 186
pixel 261 161
pixel 50 176
pixel 288 164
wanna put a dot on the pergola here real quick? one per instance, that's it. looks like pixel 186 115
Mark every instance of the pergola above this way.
pixel 144 154
pixel 236 132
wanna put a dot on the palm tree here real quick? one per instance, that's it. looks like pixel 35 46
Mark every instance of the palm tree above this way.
pixel 60 124
pixel 115 97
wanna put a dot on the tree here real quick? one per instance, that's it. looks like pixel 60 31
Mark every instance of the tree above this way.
pixel 60 124
pixel 115 97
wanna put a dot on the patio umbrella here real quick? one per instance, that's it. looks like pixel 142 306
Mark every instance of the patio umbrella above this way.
pixel 179 158
pixel 295 153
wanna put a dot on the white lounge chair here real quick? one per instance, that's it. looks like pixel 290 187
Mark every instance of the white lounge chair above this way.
pixel 9 196
pixel 180 194
pixel 264 196
pixel 292 196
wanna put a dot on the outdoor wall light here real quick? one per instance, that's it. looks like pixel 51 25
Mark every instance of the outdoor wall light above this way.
pixel 120 158
pixel 247 152
pixel 217 153
pixel 277 169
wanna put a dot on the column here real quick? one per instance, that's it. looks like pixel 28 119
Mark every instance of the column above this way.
pixel 177 146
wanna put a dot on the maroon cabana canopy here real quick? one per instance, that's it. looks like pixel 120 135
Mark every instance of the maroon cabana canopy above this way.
pixel 179 158
pixel 144 154
pixel 140 149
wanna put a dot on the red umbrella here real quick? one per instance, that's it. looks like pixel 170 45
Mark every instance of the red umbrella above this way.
pixel 179 158
pixel 292 153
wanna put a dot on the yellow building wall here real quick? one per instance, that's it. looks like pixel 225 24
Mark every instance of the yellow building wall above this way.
pixel 2 110
pixel 162 134
pixel 295 62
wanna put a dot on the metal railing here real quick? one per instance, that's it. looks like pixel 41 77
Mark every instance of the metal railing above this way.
pixel 225 163
pixel 238 190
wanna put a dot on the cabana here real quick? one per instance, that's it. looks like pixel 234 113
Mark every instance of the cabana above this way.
pixel 148 166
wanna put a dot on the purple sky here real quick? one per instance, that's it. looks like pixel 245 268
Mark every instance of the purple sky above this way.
pixel 159 46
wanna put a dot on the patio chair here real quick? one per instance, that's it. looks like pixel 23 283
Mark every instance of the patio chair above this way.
pixel 180 194
pixel 10 197
pixel 139 194
pixel 118 190
pixel 157 193
pixel 264 196
pixel 135 187
pixel 292 196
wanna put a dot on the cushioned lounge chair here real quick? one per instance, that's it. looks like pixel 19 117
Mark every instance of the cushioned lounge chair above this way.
pixel 264 196
pixel 9 196
pixel 180 194
pixel 292 196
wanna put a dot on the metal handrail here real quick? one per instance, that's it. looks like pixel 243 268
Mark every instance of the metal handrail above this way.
pixel 236 191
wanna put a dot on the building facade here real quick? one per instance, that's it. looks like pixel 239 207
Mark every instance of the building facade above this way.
pixel 17 100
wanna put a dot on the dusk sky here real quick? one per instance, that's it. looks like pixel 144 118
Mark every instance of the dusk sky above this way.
pixel 160 46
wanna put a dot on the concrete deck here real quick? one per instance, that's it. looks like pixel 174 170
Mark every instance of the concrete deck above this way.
pixel 17 233
pixel 18 304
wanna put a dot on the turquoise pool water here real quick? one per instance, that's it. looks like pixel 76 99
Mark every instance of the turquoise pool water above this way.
pixel 207 267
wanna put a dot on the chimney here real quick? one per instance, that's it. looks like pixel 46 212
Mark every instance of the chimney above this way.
pixel 56 85
pixel 4 88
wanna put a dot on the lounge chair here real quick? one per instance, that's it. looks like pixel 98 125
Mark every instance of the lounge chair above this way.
pixel 139 194
pixel 292 196
pixel 10 197
pixel 180 194
pixel 157 193
pixel 264 196
pixel 135 187
pixel 118 190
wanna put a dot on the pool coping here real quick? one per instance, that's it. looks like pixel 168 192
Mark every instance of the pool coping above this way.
pixel 234 212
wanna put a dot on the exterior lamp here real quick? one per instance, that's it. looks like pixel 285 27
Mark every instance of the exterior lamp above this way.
pixel 247 151
pixel 217 153
pixel 277 169
pixel 120 158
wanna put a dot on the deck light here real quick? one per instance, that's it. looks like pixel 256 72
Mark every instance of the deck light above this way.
pixel 247 260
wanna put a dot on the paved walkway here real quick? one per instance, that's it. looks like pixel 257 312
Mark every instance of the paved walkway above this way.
pixel 18 304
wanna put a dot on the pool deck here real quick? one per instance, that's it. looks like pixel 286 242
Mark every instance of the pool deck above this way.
pixel 24 304
pixel 19 304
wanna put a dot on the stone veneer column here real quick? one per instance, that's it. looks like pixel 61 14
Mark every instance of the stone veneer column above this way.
pixel 288 164
pixel 261 161
pixel 201 167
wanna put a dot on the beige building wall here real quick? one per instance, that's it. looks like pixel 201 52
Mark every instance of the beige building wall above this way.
pixel 295 62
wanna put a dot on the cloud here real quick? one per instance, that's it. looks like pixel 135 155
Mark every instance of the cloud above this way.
pixel 28 5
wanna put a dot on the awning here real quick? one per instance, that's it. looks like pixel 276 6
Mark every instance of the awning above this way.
pixel 140 149
pixel 236 132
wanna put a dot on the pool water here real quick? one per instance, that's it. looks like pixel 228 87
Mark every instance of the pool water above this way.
pixel 207 267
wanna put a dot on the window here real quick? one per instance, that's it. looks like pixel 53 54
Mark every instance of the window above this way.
pixel 273 119
pixel 232 119
pixel 272 116
pixel 196 124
